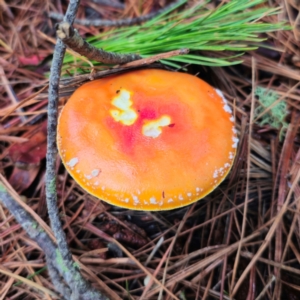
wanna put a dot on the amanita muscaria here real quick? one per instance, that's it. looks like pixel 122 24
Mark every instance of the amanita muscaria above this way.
pixel 148 139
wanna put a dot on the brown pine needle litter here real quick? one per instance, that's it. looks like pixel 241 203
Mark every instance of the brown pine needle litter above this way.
pixel 241 242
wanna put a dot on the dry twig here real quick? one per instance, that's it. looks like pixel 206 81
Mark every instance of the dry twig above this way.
pixel 73 40
pixel 117 23
pixel 78 285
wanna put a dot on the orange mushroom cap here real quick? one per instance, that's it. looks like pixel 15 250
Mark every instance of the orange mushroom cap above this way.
pixel 148 139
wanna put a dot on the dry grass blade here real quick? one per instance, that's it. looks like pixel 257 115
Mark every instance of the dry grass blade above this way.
pixel 235 268
pixel 269 236
pixel 21 103
pixel 103 235
pixel 29 283
pixel 26 207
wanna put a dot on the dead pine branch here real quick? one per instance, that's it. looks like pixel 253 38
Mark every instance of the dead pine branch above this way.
pixel 119 23
pixel 70 36
pixel 57 269
pixel 80 288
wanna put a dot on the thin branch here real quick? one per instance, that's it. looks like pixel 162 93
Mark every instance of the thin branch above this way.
pixel 110 3
pixel 73 40
pixel 69 84
pixel 36 233
pixel 78 285
pixel 56 279
pixel 154 58
pixel 51 195
pixel 117 23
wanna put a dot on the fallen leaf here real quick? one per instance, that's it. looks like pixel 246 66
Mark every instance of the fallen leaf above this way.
pixel 26 157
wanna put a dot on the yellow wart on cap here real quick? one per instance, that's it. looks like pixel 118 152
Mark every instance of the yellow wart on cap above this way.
pixel 124 114
pixel 153 128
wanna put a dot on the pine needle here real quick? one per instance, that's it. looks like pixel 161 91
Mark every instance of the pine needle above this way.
pixel 235 27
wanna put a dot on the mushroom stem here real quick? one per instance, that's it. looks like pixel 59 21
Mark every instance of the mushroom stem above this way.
pixel 73 40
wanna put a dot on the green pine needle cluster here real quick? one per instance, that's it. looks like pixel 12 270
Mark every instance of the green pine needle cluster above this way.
pixel 275 116
pixel 234 27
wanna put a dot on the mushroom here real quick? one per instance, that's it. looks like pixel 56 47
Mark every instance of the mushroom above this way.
pixel 147 139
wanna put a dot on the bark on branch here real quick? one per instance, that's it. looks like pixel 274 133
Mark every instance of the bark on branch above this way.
pixel 77 287
pixel 70 37
pixel 122 22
